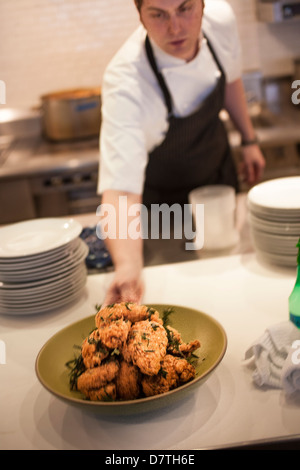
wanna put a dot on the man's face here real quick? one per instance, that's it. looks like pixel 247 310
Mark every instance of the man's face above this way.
pixel 174 25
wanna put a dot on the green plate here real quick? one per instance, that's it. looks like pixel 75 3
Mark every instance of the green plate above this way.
pixel 192 324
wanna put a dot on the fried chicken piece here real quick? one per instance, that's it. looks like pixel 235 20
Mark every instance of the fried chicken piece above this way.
pixel 127 381
pixel 187 349
pixel 146 346
pixel 114 334
pixel 128 311
pixel 174 372
pixel 113 326
pixel 176 345
pixel 164 381
pixel 106 393
pixel 110 313
pixel 184 370
pixel 93 379
pixel 135 313
pixel 93 350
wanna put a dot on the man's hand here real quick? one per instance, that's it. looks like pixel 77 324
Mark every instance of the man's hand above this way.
pixel 253 164
pixel 127 286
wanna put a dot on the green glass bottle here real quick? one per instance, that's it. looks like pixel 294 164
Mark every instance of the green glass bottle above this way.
pixel 294 298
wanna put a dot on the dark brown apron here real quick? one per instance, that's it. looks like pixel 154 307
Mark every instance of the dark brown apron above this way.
pixel 195 151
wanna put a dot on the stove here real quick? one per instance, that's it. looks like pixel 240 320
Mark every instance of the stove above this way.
pixel 45 179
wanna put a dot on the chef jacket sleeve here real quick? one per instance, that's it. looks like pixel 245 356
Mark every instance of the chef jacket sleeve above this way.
pixel 123 154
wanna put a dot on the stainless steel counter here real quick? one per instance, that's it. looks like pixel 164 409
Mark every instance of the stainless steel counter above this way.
pixel 41 179
pixel 28 156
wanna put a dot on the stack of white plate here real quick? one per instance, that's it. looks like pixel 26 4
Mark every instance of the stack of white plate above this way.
pixel 42 265
pixel 274 208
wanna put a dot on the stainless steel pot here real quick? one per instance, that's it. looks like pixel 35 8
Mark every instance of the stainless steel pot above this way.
pixel 71 114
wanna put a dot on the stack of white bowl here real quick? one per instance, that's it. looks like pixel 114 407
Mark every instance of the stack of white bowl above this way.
pixel 274 208
pixel 42 265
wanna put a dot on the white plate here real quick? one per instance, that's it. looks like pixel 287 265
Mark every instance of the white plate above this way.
pixel 42 290
pixel 38 300
pixel 273 241
pixel 278 260
pixel 283 216
pixel 44 301
pixel 26 301
pixel 51 256
pixel 37 236
pixel 43 284
pixel 270 249
pixel 287 240
pixel 280 249
pixel 275 215
pixel 41 299
pixel 39 308
pixel 284 228
pixel 46 271
pixel 280 193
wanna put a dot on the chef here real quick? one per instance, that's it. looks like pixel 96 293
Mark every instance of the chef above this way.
pixel 161 134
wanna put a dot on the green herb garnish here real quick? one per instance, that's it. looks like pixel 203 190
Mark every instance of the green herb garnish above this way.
pixel 166 316
pixel 115 352
pixel 76 367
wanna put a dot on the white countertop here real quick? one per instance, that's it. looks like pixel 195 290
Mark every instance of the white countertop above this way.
pixel 244 296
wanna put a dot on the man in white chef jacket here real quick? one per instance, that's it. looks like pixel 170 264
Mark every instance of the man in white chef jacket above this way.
pixel 161 134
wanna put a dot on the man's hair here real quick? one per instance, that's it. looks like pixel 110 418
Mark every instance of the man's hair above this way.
pixel 138 4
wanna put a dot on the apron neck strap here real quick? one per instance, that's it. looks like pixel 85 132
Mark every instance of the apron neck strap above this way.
pixel 213 53
pixel 159 77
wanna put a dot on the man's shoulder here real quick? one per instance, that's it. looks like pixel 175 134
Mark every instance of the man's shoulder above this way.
pixel 130 58
pixel 218 14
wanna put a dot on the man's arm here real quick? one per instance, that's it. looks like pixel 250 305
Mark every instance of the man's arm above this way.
pixel 236 105
pixel 126 251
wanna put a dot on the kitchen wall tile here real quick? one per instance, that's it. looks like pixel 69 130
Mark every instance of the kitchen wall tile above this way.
pixel 47 45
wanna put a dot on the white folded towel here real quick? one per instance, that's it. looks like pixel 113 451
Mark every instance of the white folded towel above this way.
pixel 272 357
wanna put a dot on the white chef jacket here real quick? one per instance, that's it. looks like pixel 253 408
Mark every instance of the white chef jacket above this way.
pixel 134 114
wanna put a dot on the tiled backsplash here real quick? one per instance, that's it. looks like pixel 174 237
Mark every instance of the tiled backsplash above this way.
pixel 270 48
pixel 47 45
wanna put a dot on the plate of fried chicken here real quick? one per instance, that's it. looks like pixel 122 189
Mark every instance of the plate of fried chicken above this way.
pixel 131 358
